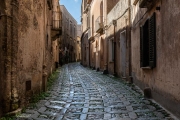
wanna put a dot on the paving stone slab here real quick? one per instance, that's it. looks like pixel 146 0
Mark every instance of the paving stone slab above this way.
pixel 83 94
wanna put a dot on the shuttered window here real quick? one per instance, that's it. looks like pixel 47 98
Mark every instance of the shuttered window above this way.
pixel 148 43
pixel 152 41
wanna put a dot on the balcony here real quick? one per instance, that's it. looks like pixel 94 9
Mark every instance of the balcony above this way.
pixel 89 1
pixel 99 25
pixel 56 29
pixel 146 3
pixel 57 24
pixel 86 8
pixel 90 35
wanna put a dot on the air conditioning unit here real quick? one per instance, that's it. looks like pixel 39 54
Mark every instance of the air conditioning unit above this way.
pixel 145 3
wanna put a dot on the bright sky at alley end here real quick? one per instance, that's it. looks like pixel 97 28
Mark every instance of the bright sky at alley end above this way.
pixel 74 8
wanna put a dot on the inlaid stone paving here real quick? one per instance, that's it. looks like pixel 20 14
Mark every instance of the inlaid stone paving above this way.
pixel 84 94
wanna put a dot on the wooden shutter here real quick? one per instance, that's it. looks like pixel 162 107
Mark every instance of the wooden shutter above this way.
pixel 144 45
pixel 141 47
pixel 152 41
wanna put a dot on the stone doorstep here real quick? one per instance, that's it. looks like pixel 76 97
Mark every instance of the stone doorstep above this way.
pixel 19 110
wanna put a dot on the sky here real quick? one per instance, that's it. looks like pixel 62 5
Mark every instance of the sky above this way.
pixel 74 8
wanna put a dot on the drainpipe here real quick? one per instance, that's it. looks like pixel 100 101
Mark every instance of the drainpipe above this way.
pixel 130 60
pixel 114 23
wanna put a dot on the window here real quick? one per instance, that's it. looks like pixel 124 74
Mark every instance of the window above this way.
pixel 92 25
pixel 71 28
pixel 111 50
pixel 67 24
pixel 88 21
pixel 148 43
pixel 102 49
pixel 74 31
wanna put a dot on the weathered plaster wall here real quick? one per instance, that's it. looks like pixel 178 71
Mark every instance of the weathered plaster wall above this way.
pixel 8 45
pixel 119 13
pixel 69 33
pixel 26 51
pixel 96 47
pixel 2 6
pixel 48 54
pixel 78 43
pixel 84 37
pixel 111 4
pixel 95 11
pixel 83 16
pixel 30 45
pixel 55 51
pixel 164 79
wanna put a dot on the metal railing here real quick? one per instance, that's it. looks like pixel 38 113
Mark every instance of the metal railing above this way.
pixel 57 24
pixel 56 20
pixel 99 24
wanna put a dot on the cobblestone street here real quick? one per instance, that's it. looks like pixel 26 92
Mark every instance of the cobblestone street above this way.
pixel 84 94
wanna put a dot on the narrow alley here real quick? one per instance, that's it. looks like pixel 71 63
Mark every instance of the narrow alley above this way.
pixel 81 93
pixel 104 59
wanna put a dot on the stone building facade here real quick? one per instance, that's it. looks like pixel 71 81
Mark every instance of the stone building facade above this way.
pixel 27 40
pixel 96 34
pixel 78 43
pixel 155 50
pixel 69 36
pixel 140 45
pixel 118 37
pixel 84 36
pixel 94 14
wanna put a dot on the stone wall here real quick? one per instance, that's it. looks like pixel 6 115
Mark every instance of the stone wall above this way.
pixel 84 37
pixel 2 21
pixel 120 14
pixel 78 43
pixel 30 45
pixel 69 34
pixel 9 97
pixel 27 53
pixel 164 78
pixel 111 4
